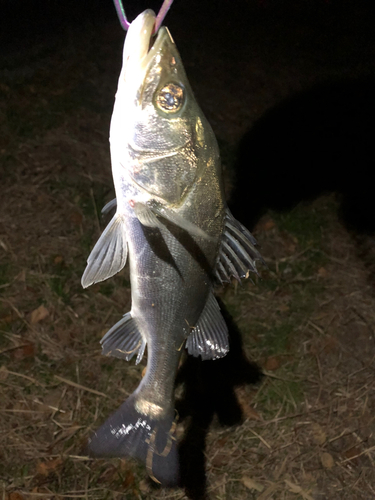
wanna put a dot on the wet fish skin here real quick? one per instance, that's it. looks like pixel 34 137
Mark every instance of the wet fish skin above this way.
pixel 171 220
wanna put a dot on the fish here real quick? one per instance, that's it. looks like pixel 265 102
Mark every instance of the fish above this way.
pixel 173 225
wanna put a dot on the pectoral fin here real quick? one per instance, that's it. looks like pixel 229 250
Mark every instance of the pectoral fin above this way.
pixel 151 214
pixel 109 254
pixel 238 255
pixel 123 340
pixel 209 338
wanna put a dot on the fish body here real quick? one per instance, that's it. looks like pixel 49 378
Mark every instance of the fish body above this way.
pixel 172 223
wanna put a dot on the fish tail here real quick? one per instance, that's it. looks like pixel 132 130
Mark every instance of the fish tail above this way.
pixel 129 433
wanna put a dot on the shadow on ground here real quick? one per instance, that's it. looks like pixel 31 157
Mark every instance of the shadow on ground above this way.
pixel 321 140
pixel 318 141
pixel 209 391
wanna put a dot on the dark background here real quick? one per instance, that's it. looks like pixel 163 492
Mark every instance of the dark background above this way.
pixel 293 79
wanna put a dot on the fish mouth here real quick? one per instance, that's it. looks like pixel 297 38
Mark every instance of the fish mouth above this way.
pixel 142 45
pixel 145 23
pixel 155 42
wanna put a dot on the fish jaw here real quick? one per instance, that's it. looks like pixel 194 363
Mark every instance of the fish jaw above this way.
pixel 159 136
pixel 136 48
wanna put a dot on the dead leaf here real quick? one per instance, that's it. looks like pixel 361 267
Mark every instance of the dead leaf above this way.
pixel 21 276
pixel 308 477
pixel 76 218
pixel 251 484
pixel 289 241
pixel 3 373
pixel 268 492
pixel 16 495
pixel 41 199
pixel 23 352
pixel 272 363
pixel 330 345
pixel 322 272
pixel 64 336
pixel 4 88
pixel 294 488
pixel 265 225
pixel 269 224
pixel 95 287
pixel 49 467
pixel 58 259
pixel 221 442
pixel 108 475
pixel 129 479
pixel 251 413
pixel 220 459
pixel 327 460
pixel 144 486
pixel 67 433
pixel 39 314
pixel 352 453
pixel 144 371
pixel 52 398
pixel 123 465
pixel 244 402
pixel 7 319
pixel 319 436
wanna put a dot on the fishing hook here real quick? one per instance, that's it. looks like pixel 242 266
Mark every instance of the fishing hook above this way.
pixel 159 18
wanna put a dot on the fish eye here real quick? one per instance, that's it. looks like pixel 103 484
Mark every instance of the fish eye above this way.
pixel 170 98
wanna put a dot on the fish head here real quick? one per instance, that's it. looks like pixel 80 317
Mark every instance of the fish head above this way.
pixel 159 134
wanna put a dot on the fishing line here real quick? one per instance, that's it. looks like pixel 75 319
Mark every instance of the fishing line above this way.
pixel 159 18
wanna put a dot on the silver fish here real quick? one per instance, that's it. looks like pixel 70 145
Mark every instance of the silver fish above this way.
pixel 173 223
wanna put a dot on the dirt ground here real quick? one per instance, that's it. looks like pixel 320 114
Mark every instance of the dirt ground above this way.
pixel 289 414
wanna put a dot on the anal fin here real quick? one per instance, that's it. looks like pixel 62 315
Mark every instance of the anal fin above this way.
pixel 109 254
pixel 209 339
pixel 123 340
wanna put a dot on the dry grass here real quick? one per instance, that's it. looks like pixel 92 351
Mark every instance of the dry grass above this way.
pixel 308 429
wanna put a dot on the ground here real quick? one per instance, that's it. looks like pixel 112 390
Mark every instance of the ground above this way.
pixel 307 322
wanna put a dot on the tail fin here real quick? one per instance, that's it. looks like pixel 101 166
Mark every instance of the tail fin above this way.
pixel 151 440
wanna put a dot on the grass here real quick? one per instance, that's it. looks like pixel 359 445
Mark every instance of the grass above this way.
pixel 273 315
pixel 277 339
pixel 307 222
pixel 280 397
pixel 5 273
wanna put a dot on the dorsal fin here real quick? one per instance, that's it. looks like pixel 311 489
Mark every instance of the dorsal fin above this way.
pixel 237 255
